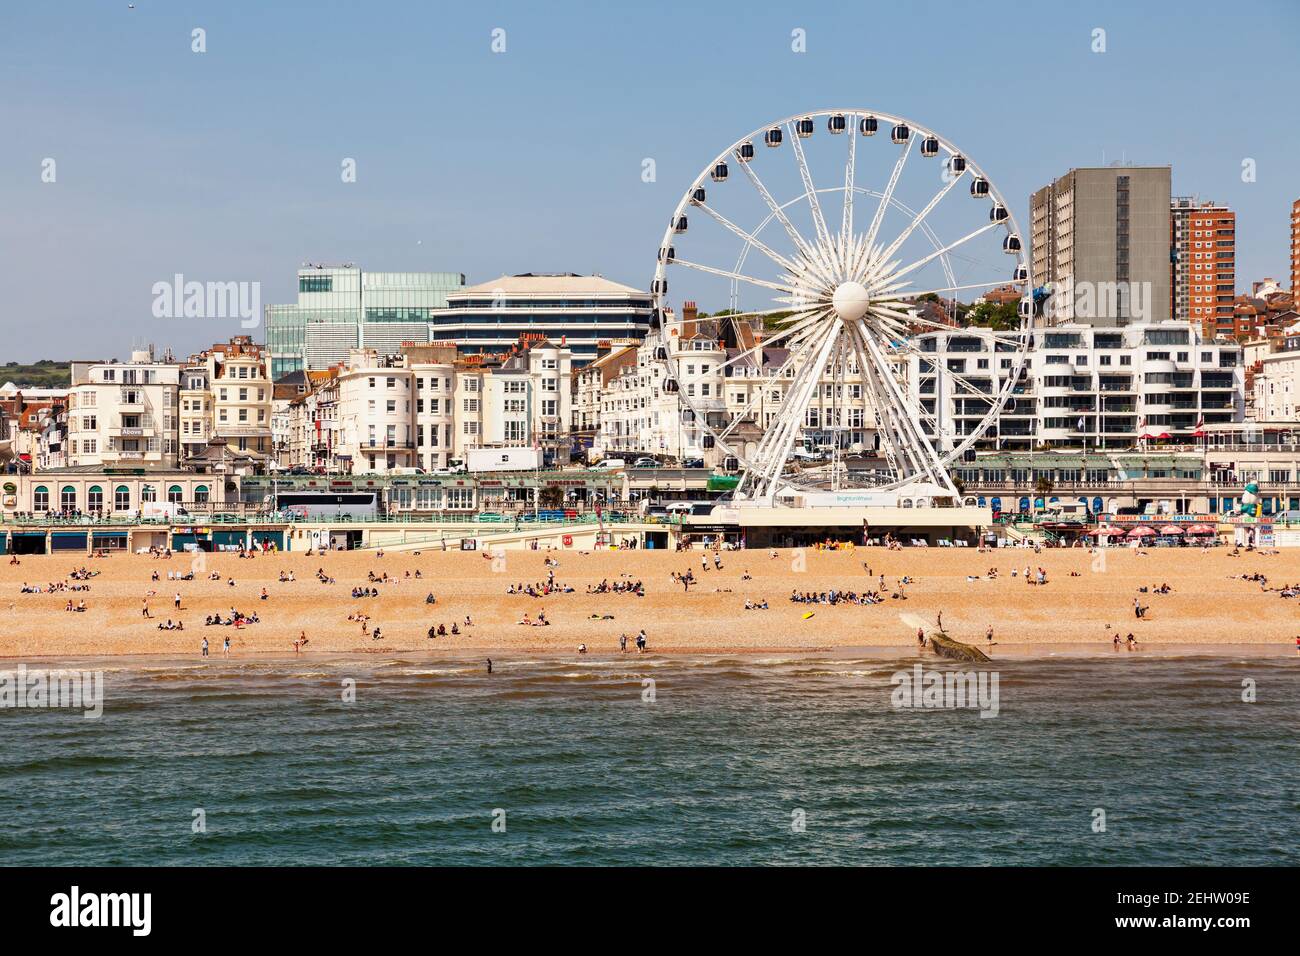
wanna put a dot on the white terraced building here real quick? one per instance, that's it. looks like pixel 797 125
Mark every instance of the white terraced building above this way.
pixel 1082 386
pixel 571 310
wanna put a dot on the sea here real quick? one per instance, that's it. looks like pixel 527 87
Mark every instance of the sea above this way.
pixel 804 759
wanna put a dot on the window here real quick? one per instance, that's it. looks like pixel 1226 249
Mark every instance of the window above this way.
pixel 95 498
pixel 41 498
pixel 175 495
pixel 122 498
pixel 148 493
pixel 201 494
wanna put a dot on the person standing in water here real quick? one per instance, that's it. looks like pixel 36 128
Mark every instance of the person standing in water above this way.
pixel 489 665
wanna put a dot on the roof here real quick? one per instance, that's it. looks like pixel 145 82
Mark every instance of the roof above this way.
pixel 542 284
pixel 772 357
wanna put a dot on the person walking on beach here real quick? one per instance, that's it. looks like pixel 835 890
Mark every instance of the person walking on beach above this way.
pixel 144 609
pixel 489 665
pixel 177 600
pixel 622 643
pixel 205 647
pixel 988 635
pixel 225 647
pixel 641 641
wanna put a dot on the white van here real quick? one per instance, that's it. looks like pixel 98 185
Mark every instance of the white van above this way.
pixel 610 464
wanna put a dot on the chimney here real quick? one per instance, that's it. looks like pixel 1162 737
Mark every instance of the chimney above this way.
pixel 690 319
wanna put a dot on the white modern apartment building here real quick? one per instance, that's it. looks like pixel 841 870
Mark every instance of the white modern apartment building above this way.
pixel 124 413
pixel 1082 386
pixel 572 310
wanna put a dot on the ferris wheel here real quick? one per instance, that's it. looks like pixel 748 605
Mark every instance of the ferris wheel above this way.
pixel 823 375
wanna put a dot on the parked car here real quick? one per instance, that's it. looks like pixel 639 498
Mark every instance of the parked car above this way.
pixel 645 463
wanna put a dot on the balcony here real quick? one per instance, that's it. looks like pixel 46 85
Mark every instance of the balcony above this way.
pixel 384 444
pixel 241 431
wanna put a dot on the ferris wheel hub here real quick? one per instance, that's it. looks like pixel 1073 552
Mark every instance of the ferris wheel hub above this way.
pixel 851 301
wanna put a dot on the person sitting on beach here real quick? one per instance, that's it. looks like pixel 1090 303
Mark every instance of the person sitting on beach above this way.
pixel 582 648
pixel 430 599
pixel 526 619
pixel 454 629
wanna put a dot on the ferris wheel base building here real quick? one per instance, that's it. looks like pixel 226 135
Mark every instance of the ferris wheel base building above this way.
pixel 907 515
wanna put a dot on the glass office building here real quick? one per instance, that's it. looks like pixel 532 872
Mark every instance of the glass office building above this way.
pixel 342 307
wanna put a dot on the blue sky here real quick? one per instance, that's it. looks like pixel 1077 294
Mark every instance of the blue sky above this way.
pixel 225 165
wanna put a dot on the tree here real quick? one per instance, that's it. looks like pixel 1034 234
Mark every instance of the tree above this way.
pixel 999 317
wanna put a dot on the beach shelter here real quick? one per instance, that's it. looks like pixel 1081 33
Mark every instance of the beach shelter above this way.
pixel 1171 529
pixel 1201 529
pixel 1142 531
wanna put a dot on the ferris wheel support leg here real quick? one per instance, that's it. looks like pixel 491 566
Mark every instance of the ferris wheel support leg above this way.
pixel 805 395
pixel 933 466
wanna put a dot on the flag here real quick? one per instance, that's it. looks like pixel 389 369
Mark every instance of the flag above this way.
pixel 1199 430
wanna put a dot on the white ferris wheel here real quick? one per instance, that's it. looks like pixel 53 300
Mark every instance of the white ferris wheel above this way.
pixel 831 280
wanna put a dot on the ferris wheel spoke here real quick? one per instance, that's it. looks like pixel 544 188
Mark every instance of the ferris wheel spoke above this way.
pixel 955 288
pixel 778 211
pixel 796 418
pixel 789 420
pixel 898 274
pixel 888 194
pixel 918 444
pixel 921 216
pixel 850 177
pixel 728 274
pixel 751 239
pixel 819 221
